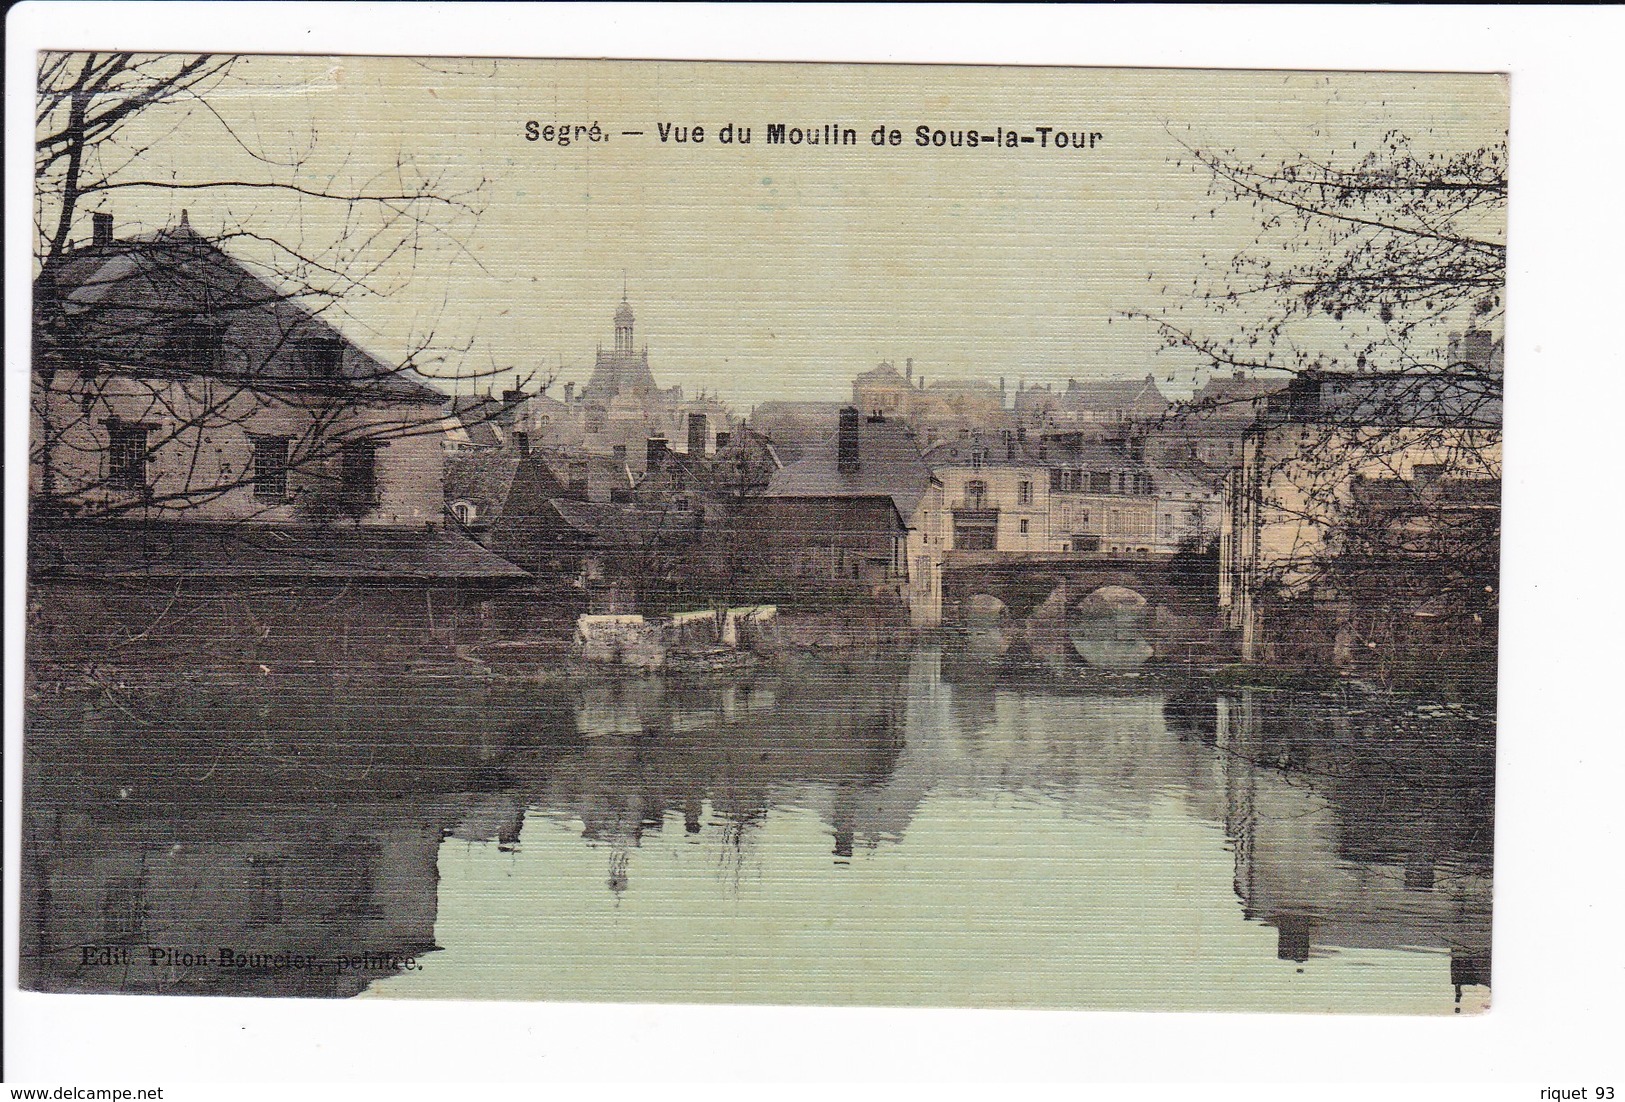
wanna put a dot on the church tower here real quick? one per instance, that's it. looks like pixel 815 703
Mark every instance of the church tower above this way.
pixel 621 370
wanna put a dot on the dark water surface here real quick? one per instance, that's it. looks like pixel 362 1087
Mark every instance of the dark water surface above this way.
pixel 872 829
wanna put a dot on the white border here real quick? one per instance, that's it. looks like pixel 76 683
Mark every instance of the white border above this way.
pixel 1558 968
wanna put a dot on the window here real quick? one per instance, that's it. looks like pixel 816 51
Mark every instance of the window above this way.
pixel 465 512
pixel 196 344
pixel 1100 482
pixel 976 493
pixel 318 357
pixel 1024 527
pixel 270 468
pixel 358 476
pixel 1055 477
pixel 127 455
pixel 1024 494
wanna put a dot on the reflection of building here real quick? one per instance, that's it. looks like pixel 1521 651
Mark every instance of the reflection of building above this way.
pixel 722 756
pixel 256 900
pixel 1344 838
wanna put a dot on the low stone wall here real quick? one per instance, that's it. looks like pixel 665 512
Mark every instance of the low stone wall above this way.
pixel 642 643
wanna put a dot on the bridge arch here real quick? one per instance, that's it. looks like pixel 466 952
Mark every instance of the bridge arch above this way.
pixel 1109 628
pixel 1096 608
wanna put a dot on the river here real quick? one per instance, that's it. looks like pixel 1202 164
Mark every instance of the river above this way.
pixel 890 829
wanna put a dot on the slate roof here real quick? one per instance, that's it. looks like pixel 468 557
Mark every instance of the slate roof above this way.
pixel 483 478
pixel 1423 399
pixel 621 524
pixel 482 419
pixel 889 463
pixel 135 550
pixel 993 450
pixel 1126 397
pixel 124 304
pixel 1236 393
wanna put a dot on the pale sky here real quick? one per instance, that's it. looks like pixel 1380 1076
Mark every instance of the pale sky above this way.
pixel 765 272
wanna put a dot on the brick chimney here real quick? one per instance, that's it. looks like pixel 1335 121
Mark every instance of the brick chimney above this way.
pixel 654 452
pixel 101 229
pixel 846 442
pixel 696 433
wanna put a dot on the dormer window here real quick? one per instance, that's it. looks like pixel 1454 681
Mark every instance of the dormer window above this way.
pixel 195 345
pixel 318 357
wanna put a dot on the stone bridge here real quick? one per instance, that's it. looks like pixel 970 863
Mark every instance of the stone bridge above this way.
pixel 1108 610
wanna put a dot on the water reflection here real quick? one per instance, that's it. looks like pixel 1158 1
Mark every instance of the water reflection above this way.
pixel 872 823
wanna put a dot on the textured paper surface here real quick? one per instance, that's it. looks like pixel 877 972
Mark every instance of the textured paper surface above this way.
pixel 1038 774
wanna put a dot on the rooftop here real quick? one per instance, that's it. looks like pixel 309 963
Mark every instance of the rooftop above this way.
pixel 133 302
pixel 134 550
pixel 888 462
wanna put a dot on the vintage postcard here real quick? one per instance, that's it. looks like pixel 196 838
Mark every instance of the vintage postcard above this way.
pixel 719 532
